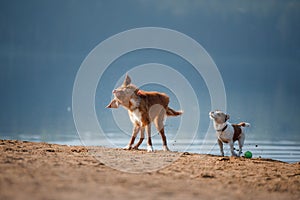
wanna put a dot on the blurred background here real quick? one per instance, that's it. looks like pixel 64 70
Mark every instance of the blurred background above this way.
pixel 255 44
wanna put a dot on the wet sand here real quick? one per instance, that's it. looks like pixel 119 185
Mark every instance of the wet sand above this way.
pixel 48 171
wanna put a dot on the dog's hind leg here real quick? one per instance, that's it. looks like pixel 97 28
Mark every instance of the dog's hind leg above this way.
pixel 164 140
pixel 231 143
pixel 135 131
pixel 149 142
pixel 159 124
pixel 241 143
pixel 141 138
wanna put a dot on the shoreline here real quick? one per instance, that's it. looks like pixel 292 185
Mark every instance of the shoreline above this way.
pixel 37 170
pixel 284 150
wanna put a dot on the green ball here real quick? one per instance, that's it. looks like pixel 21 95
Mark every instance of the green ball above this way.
pixel 248 154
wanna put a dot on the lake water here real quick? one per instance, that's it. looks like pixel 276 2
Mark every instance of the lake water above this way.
pixel 287 151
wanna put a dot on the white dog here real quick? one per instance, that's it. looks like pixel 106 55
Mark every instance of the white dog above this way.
pixel 227 132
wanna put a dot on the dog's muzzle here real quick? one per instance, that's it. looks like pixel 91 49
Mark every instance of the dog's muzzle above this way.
pixel 211 114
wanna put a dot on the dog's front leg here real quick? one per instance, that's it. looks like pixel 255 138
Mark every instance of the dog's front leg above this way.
pixel 221 147
pixel 135 131
pixel 232 148
pixel 149 142
pixel 141 138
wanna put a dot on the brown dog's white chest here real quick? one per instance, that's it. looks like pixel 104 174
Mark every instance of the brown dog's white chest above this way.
pixel 135 112
pixel 135 117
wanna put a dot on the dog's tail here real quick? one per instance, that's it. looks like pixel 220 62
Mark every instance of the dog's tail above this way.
pixel 171 112
pixel 244 124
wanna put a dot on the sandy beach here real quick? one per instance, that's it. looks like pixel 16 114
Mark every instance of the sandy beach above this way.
pixel 49 171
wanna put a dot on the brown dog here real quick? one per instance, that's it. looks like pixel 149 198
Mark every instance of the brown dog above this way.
pixel 143 108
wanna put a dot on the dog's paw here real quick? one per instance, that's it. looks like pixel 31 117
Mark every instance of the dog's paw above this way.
pixel 234 155
pixel 135 147
pixel 128 147
pixel 149 148
pixel 222 152
pixel 165 148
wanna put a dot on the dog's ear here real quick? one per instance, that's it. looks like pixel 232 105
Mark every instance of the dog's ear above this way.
pixel 227 117
pixel 127 80
pixel 113 104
